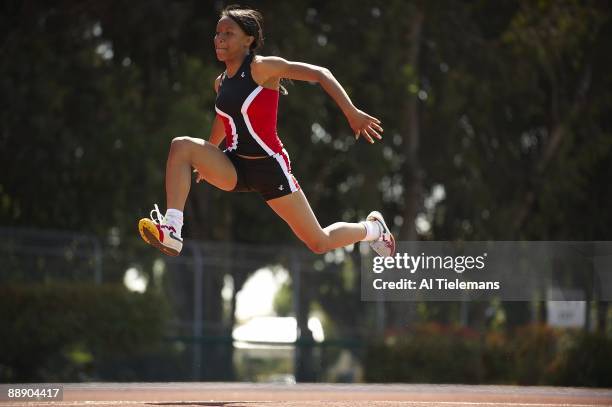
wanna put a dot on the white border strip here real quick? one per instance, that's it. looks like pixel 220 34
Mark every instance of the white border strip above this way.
pixel 244 109
pixel 232 125
pixel 283 164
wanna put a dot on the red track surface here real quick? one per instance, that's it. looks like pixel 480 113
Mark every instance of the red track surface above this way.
pixel 318 395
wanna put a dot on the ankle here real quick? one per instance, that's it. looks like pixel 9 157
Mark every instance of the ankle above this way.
pixel 373 230
pixel 174 214
pixel 174 218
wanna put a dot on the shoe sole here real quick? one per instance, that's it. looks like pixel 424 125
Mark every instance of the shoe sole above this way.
pixel 378 216
pixel 150 234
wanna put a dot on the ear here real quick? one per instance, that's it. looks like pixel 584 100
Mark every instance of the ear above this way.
pixel 250 40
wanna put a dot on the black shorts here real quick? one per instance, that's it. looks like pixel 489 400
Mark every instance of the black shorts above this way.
pixel 271 177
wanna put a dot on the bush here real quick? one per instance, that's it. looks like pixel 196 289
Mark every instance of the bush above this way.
pixel 497 355
pixel 530 355
pixel 431 353
pixel 59 332
pixel 533 349
pixel 587 361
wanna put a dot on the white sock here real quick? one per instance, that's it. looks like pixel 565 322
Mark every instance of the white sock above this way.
pixel 174 217
pixel 373 230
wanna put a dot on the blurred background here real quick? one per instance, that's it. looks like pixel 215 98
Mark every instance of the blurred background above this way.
pixel 498 126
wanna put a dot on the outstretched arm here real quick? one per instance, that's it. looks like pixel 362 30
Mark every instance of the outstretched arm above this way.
pixel 362 123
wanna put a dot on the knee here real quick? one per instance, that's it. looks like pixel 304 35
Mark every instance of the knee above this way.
pixel 180 145
pixel 318 246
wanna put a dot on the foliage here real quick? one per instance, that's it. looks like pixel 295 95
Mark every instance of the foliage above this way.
pixel 63 332
pixel 587 361
pixel 433 353
pixel 93 98
pixel 531 355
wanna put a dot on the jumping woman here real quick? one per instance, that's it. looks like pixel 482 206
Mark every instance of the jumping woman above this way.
pixel 254 159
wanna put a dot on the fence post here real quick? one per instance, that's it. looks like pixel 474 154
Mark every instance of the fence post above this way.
pixel 295 277
pixel 198 277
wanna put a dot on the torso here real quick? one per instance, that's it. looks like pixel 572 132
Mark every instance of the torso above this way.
pixel 249 113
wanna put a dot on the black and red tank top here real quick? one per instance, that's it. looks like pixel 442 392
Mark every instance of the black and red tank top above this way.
pixel 249 113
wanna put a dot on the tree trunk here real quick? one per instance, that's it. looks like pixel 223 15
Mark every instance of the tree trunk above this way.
pixel 557 135
pixel 400 315
pixel 602 316
pixel 411 128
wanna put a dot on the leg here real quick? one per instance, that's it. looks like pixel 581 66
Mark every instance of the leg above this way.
pixel 296 211
pixel 211 163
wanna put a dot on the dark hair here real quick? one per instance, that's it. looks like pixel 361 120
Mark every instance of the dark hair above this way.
pixel 249 20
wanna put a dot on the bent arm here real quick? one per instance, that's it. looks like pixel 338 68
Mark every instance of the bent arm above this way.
pixel 217 132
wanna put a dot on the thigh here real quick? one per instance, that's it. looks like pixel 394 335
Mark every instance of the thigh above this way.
pixel 212 163
pixel 296 211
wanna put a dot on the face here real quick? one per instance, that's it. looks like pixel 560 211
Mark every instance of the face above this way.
pixel 230 41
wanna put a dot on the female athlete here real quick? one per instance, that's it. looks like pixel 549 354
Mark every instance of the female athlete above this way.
pixel 254 158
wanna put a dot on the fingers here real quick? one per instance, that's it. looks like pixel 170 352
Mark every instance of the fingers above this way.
pixel 372 137
pixel 199 177
pixel 374 123
pixel 363 133
pixel 369 133
pixel 369 128
pixel 374 132
pixel 376 126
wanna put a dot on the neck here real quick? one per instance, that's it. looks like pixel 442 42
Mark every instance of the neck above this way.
pixel 232 65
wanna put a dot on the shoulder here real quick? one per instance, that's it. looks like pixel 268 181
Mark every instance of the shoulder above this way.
pixel 261 59
pixel 218 82
pixel 263 64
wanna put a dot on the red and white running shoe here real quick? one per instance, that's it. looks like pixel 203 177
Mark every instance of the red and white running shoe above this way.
pixel 385 245
pixel 159 234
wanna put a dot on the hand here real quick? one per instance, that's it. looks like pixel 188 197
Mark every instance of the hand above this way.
pixel 199 177
pixel 364 125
